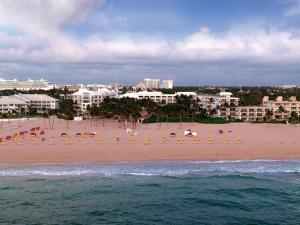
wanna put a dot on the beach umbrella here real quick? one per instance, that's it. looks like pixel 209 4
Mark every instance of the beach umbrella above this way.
pixel 42 132
pixel 8 137
pixel 37 128
pixel 32 129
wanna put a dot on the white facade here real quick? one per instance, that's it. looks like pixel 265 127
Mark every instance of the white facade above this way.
pixel 10 104
pixel 167 84
pixel 151 83
pixel 157 96
pixel 84 98
pixel 25 85
pixel 39 102
pixel 35 102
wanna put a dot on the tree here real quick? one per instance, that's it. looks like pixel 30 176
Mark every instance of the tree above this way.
pixel 294 118
pixel 67 110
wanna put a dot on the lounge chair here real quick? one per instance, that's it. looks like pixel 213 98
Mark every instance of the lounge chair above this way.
pixel 147 140
pixel 225 140
pixel 179 140
pixel 195 140
pixel 163 140
pixel 239 140
pixel 131 139
pixel 115 140
pixel 210 140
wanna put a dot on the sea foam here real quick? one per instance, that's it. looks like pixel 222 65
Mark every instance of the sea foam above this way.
pixel 156 168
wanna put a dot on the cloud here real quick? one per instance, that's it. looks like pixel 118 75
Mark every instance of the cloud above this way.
pixel 294 10
pixel 45 46
pixel 42 15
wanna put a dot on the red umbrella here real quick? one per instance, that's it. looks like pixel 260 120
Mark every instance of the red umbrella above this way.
pixel 37 128
pixel 42 132
pixel 32 129
pixel 8 137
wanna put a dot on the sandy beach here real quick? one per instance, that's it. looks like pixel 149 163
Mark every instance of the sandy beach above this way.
pixel 245 142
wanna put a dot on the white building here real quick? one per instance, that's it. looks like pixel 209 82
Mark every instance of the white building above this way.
pixel 23 103
pixel 25 85
pixel 222 105
pixel 84 98
pixel 10 104
pixel 39 102
pixel 151 83
pixel 166 84
pixel 157 96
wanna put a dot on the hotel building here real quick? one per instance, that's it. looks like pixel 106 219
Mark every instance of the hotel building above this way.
pixel 166 84
pixel 32 102
pixel 151 83
pixel 39 102
pixel 157 96
pixel 85 98
pixel 289 106
pixel 11 104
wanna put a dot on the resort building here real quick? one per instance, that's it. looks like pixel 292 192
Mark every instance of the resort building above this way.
pixel 39 102
pixel 12 104
pixel 222 105
pixel 282 109
pixel 157 96
pixel 22 104
pixel 254 113
pixel 151 83
pixel 85 98
pixel 166 84
pixel 25 85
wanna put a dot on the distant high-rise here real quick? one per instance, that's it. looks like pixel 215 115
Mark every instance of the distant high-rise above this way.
pixel 167 84
pixel 151 83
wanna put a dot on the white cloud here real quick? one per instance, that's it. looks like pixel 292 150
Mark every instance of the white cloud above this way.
pixel 294 10
pixel 44 41
pixel 42 15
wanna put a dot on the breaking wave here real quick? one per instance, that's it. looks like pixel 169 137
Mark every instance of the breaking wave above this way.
pixel 172 169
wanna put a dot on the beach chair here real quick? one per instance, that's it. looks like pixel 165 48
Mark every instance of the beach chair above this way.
pixel 179 140
pixel 131 139
pixel 210 140
pixel 98 139
pixel 239 140
pixel 115 140
pixel 147 141
pixel 52 141
pixel 225 140
pixel 3 141
pixel 67 140
pixel 163 140
pixel 36 140
pixel 83 140
pixel 18 140
pixel 195 140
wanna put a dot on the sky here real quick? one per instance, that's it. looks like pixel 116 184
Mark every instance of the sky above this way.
pixel 193 42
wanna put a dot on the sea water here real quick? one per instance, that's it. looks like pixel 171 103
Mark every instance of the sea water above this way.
pixel 223 192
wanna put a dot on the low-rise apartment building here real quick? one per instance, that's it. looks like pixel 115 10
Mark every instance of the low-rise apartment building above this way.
pixel 282 109
pixel 12 104
pixel 254 113
pixel 39 102
pixel 22 104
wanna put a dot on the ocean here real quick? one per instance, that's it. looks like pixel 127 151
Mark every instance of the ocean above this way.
pixel 223 192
